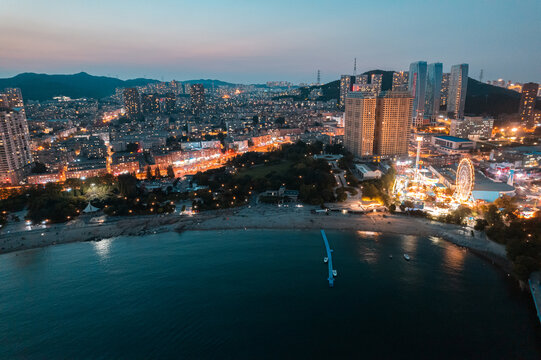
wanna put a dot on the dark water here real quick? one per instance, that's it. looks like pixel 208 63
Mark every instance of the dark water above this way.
pixel 261 294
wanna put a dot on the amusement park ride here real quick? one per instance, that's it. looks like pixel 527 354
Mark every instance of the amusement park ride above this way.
pixel 465 179
pixel 423 189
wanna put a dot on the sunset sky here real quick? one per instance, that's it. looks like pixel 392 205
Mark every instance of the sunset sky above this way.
pixel 256 41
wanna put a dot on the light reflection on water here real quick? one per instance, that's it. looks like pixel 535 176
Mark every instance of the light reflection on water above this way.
pixel 103 247
pixel 409 244
pixel 453 257
pixel 368 251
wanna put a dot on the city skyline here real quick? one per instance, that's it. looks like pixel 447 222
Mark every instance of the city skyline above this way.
pixel 251 43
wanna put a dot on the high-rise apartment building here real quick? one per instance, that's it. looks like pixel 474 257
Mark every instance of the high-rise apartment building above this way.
pixel 361 79
pixel 444 91
pixel 393 115
pixel 360 123
pixel 433 90
pixel 458 86
pixel 150 103
pixel 132 102
pixel 417 88
pixel 14 144
pixel 197 98
pixel 378 125
pixel 400 81
pixel 527 104
pixel 12 98
pixel 376 80
pixel 346 83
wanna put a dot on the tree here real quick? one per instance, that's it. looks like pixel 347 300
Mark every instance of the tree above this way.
pixel 255 119
pixel 170 172
pixel 280 121
pixel 480 224
pixel 492 215
pixel 507 204
pixel 157 172
pixel 149 173
pixel 127 185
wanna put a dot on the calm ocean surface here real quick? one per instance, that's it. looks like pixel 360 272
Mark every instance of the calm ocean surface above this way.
pixel 261 294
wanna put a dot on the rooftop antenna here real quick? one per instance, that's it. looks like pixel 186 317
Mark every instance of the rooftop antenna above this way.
pixel 354 66
pixel 318 77
pixel 481 76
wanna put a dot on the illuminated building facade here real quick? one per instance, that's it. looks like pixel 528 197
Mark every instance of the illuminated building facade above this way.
pixel 346 83
pixel 433 90
pixel 197 98
pixel 527 104
pixel 417 88
pixel 360 123
pixel 361 79
pixel 14 144
pixel 378 125
pixel 472 128
pixel 393 114
pixel 444 91
pixel 150 103
pixel 132 102
pixel 458 85
pixel 400 81
pixel 376 80
pixel 11 98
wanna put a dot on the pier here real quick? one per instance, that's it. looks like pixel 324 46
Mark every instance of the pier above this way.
pixel 535 288
pixel 329 256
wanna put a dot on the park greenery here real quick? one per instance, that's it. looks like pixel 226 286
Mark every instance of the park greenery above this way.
pixel 61 202
pixel 292 166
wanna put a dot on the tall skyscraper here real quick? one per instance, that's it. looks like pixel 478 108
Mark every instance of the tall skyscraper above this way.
pixel 400 81
pixel 527 104
pixel 376 80
pixel 197 98
pixel 378 125
pixel 346 82
pixel 444 92
pixel 458 86
pixel 132 102
pixel 417 88
pixel 433 90
pixel 14 144
pixel 393 114
pixel 360 123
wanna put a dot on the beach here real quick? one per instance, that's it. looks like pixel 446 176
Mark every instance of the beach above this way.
pixel 251 217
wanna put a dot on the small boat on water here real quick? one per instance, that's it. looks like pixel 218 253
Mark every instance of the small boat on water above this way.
pixel 325 260
pixel 407 257
pixel 390 256
pixel 334 273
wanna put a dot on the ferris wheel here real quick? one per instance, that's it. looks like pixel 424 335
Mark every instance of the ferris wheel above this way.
pixel 465 179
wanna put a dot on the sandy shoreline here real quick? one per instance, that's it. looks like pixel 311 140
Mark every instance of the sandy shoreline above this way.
pixel 259 217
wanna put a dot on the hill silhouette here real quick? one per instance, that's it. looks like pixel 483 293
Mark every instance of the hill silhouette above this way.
pixel 82 85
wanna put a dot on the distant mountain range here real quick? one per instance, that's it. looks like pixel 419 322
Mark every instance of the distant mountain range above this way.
pixel 82 85
pixel 481 98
